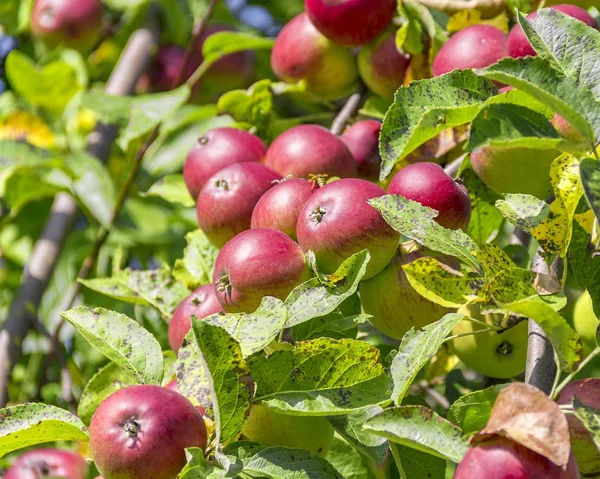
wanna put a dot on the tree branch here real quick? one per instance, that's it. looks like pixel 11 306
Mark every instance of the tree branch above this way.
pixel 348 111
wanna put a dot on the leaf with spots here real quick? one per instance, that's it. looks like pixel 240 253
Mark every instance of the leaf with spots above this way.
pixel 253 331
pixel 155 288
pixel 323 377
pixel 415 351
pixel 589 169
pixel 422 429
pixel 524 211
pixel 284 463
pixel 472 411
pixel 31 423
pixel 318 297
pixel 420 465
pixel 199 256
pixel 510 285
pixel 590 418
pixel 120 339
pixel 348 461
pixel 427 107
pixel 415 221
pixel 108 380
pixel 211 361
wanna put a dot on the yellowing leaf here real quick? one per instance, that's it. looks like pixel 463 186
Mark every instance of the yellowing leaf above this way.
pixel 22 125
pixel 586 221
pixel 441 364
pixel 469 17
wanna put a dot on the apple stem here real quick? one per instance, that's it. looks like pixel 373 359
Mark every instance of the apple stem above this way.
pixel 131 427
pixel 490 327
pixel 348 110
pixel 471 333
pixel 570 377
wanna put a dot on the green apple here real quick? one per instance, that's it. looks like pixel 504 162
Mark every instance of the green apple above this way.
pixel 491 354
pixel 585 321
pixel 270 428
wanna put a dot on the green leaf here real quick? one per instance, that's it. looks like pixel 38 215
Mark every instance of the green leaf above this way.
pixel 101 385
pixel 471 412
pixel 590 417
pixel 409 36
pixel 199 256
pixel 415 221
pixel 253 331
pixel 314 298
pixel 586 270
pixel 50 87
pixel 420 465
pixel 416 349
pixel 420 428
pixel 172 188
pixel 120 339
pixel 321 377
pixel 110 109
pixel 254 105
pixel 524 211
pixel 199 467
pixel 427 107
pixel 375 107
pixel 525 6
pixel 589 169
pixel 348 461
pixel 30 424
pixel 435 31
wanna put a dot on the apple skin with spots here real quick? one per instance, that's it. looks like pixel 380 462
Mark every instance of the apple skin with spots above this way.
pixel 40 463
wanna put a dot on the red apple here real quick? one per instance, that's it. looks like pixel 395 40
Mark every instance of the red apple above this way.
pixel 71 23
pixel 142 431
pixel 337 222
pixel 217 149
pixel 501 458
pixel 362 139
pixel 166 66
pixel 518 44
pixel 350 22
pixel 257 263
pixel 40 463
pixel 301 52
pixel 280 207
pixel 201 303
pixel 477 46
pixel 226 201
pixel 310 150
pixel 382 67
pixel 172 385
pixel 428 184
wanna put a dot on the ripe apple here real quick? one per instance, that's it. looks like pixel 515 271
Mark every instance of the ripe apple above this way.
pixel 227 199
pixel 350 22
pixel 518 44
pixel 585 320
pixel 501 458
pixel 301 52
pixel 477 46
pixel 567 130
pixel 280 207
pixel 40 463
pixel 257 263
pixel 142 431
pixel 310 150
pixel 394 304
pixel 217 149
pixel 428 184
pixel 362 139
pixel 269 428
pixel 337 222
pixel 172 385
pixel 165 68
pixel 491 354
pixel 382 67
pixel 73 24
pixel 587 392
pixel 201 303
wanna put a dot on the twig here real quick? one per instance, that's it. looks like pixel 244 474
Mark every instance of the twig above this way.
pixel 348 111
pixel 452 168
pixel 130 67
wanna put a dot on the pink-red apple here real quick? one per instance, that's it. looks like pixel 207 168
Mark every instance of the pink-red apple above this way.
pixel 142 431
pixel 40 463
pixel 428 184
pixel 337 222
pixel 172 385
pixel 301 52
pixel 362 139
pixel 217 149
pixel 166 66
pixel 310 150
pixel 257 263
pixel 350 22
pixel 226 201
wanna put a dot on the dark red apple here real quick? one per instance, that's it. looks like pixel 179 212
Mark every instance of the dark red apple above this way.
pixel 73 24
pixel 310 150
pixel 362 139
pixel 257 263
pixel 477 46
pixel 280 207
pixel 350 22
pixel 382 67
pixel 428 184
pixel 301 52
pixel 142 431
pixel 501 458
pixel 172 385
pixel 587 392
pixel 227 199
pixel 40 463
pixel 518 44
pixel 337 222
pixel 201 303
pixel 217 149
pixel 166 66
